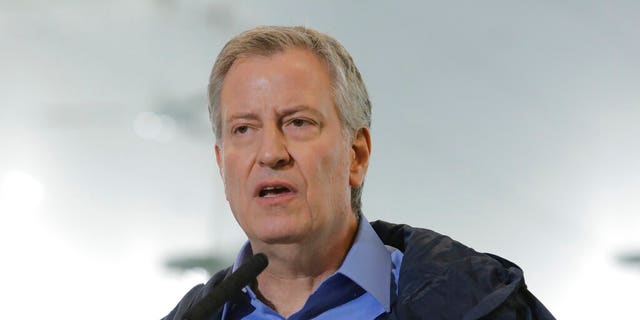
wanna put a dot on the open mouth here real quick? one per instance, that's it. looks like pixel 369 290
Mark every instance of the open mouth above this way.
pixel 273 191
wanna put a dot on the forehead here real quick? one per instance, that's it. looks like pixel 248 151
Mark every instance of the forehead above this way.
pixel 290 53
pixel 292 74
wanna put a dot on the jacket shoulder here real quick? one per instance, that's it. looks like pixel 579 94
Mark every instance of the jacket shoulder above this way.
pixel 443 278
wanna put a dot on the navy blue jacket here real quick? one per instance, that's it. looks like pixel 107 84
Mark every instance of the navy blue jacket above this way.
pixel 439 279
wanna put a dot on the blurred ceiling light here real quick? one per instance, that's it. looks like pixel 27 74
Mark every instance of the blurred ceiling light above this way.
pixel 20 191
pixel 153 126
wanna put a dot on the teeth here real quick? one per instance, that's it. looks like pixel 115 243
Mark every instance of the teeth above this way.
pixel 272 191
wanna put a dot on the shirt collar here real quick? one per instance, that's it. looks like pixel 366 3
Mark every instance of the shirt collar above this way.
pixel 367 263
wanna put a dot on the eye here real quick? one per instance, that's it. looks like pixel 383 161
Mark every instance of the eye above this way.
pixel 241 129
pixel 301 128
pixel 299 122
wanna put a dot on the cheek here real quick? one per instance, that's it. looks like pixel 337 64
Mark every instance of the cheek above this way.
pixel 332 168
pixel 233 174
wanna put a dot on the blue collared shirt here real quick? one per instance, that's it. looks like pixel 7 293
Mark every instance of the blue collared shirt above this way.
pixel 364 287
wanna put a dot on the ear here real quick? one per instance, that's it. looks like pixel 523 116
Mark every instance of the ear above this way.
pixel 360 152
pixel 219 161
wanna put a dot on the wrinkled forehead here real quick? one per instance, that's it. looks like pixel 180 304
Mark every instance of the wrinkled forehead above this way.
pixel 291 79
pixel 262 52
pixel 286 71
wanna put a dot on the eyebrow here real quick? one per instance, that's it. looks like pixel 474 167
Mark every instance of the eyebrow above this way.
pixel 243 115
pixel 299 108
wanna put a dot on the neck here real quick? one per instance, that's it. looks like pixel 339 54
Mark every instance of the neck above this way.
pixel 296 269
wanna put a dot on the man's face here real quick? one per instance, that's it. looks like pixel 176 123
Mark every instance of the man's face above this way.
pixel 286 164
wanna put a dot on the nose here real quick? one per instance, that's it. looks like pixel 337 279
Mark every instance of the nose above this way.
pixel 273 151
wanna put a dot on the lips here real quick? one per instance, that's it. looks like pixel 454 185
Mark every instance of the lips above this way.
pixel 273 189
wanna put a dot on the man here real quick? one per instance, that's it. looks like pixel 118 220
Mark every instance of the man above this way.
pixel 291 117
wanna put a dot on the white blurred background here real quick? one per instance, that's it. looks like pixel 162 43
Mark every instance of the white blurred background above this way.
pixel 512 127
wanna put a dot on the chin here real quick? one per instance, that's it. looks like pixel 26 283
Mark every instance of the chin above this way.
pixel 278 238
pixel 280 233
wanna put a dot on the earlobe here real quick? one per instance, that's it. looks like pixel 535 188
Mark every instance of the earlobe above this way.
pixel 360 153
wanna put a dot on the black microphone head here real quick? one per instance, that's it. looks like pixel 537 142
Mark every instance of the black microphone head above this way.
pixel 261 262
pixel 232 285
pixel 248 271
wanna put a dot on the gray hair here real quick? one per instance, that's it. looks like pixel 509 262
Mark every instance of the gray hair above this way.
pixel 349 92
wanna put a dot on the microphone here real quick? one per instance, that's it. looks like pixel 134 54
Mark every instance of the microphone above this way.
pixel 229 287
